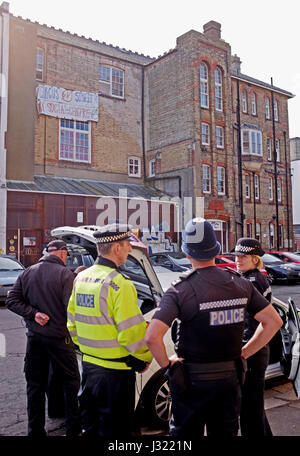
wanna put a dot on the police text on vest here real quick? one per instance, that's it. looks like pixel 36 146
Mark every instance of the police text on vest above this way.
pixel 227 317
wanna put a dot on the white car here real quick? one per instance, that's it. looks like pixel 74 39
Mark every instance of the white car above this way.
pixel 153 395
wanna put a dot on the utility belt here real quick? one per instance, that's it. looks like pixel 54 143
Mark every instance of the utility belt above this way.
pixel 180 374
pixel 136 364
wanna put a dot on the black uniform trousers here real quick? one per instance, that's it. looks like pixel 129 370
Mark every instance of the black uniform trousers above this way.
pixel 253 419
pixel 40 351
pixel 212 400
pixel 107 401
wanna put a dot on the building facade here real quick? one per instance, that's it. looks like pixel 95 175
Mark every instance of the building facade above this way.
pixel 295 168
pixel 84 121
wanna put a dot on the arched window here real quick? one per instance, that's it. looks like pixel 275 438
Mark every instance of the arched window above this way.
pixel 204 99
pixel 244 102
pixel 218 90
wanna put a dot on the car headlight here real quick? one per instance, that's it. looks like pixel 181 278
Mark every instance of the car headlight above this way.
pixel 287 268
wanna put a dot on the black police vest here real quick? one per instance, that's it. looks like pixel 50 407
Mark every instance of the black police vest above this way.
pixel 211 323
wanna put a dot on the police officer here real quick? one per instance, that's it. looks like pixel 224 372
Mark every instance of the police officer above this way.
pixel 253 419
pixel 106 322
pixel 209 304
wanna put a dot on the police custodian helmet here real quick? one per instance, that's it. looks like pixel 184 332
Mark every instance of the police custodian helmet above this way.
pixel 112 233
pixel 248 246
pixel 199 240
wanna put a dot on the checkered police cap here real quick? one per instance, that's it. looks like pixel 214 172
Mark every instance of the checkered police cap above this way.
pixel 112 233
pixel 248 246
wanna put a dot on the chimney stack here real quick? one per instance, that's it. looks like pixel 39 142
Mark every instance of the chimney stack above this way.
pixel 235 64
pixel 212 30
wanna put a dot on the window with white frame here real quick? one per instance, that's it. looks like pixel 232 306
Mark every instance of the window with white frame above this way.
pixel 206 179
pixel 134 167
pixel 279 189
pixel 244 102
pixel 277 148
pixel 75 141
pixel 219 137
pixel 247 186
pixel 221 180
pixel 204 99
pixel 280 236
pixel 275 110
pixel 269 148
pixel 39 71
pixel 271 236
pixel 256 186
pixel 253 104
pixel 251 142
pixel 270 188
pixel 152 168
pixel 205 134
pixel 268 113
pixel 218 90
pixel 111 81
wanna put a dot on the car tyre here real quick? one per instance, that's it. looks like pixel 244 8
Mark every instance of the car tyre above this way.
pixel 157 401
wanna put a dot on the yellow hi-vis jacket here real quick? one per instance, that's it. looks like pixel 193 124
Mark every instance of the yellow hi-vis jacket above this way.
pixel 104 318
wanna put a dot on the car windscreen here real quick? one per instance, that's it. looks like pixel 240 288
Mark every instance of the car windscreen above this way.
pixel 293 256
pixel 7 264
pixel 270 259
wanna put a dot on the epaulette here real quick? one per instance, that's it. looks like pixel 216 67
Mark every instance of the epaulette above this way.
pixel 124 275
pixel 232 271
pixel 184 276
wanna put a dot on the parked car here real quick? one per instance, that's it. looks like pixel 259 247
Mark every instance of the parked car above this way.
pixel 175 261
pixel 287 256
pixel 10 269
pixel 78 256
pixel 280 271
pixel 153 395
pixel 224 262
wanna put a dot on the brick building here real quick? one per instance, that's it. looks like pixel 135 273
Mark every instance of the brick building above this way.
pixel 81 119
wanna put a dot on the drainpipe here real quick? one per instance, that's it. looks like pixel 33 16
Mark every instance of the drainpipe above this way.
pixel 238 114
pixel 287 174
pixel 275 168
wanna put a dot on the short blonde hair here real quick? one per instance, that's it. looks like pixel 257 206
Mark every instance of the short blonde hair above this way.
pixel 258 261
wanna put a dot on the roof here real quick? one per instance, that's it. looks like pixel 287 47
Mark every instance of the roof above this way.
pixel 65 185
pixel 244 77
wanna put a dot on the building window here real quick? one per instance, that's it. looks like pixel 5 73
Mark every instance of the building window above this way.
pixel 268 114
pixel 277 148
pixel 134 167
pixel 206 179
pixel 279 190
pixel 280 236
pixel 256 186
pixel 269 148
pixel 275 110
pixel 152 168
pixel 253 104
pixel 271 236
pixel 251 143
pixel 258 232
pixel 221 180
pixel 249 230
pixel 205 135
pixel 204 100
pixel 220 137
pixel 39 72
pixel 111 81
pixel 270 188
pixel 218 90
pixel 244 102
pixel 75 141
pixel 247 186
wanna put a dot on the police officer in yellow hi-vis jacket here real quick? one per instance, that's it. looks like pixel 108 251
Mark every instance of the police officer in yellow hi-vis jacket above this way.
pixel 106 322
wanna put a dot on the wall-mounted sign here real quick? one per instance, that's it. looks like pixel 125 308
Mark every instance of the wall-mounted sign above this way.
pixel 29 241
pixel 67 104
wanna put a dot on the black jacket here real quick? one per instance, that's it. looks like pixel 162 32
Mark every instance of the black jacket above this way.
pixel 44 287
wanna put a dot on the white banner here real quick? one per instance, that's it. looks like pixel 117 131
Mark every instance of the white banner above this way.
pixel 67 104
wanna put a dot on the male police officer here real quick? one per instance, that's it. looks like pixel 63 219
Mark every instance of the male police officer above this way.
pixel 106 322
pixel 209 304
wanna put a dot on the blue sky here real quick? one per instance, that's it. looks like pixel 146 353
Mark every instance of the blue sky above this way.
pixel 263 33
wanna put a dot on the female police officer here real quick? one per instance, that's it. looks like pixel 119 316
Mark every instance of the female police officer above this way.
pixel 253 419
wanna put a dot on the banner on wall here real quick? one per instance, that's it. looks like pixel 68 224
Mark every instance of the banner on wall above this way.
pixel 67 104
